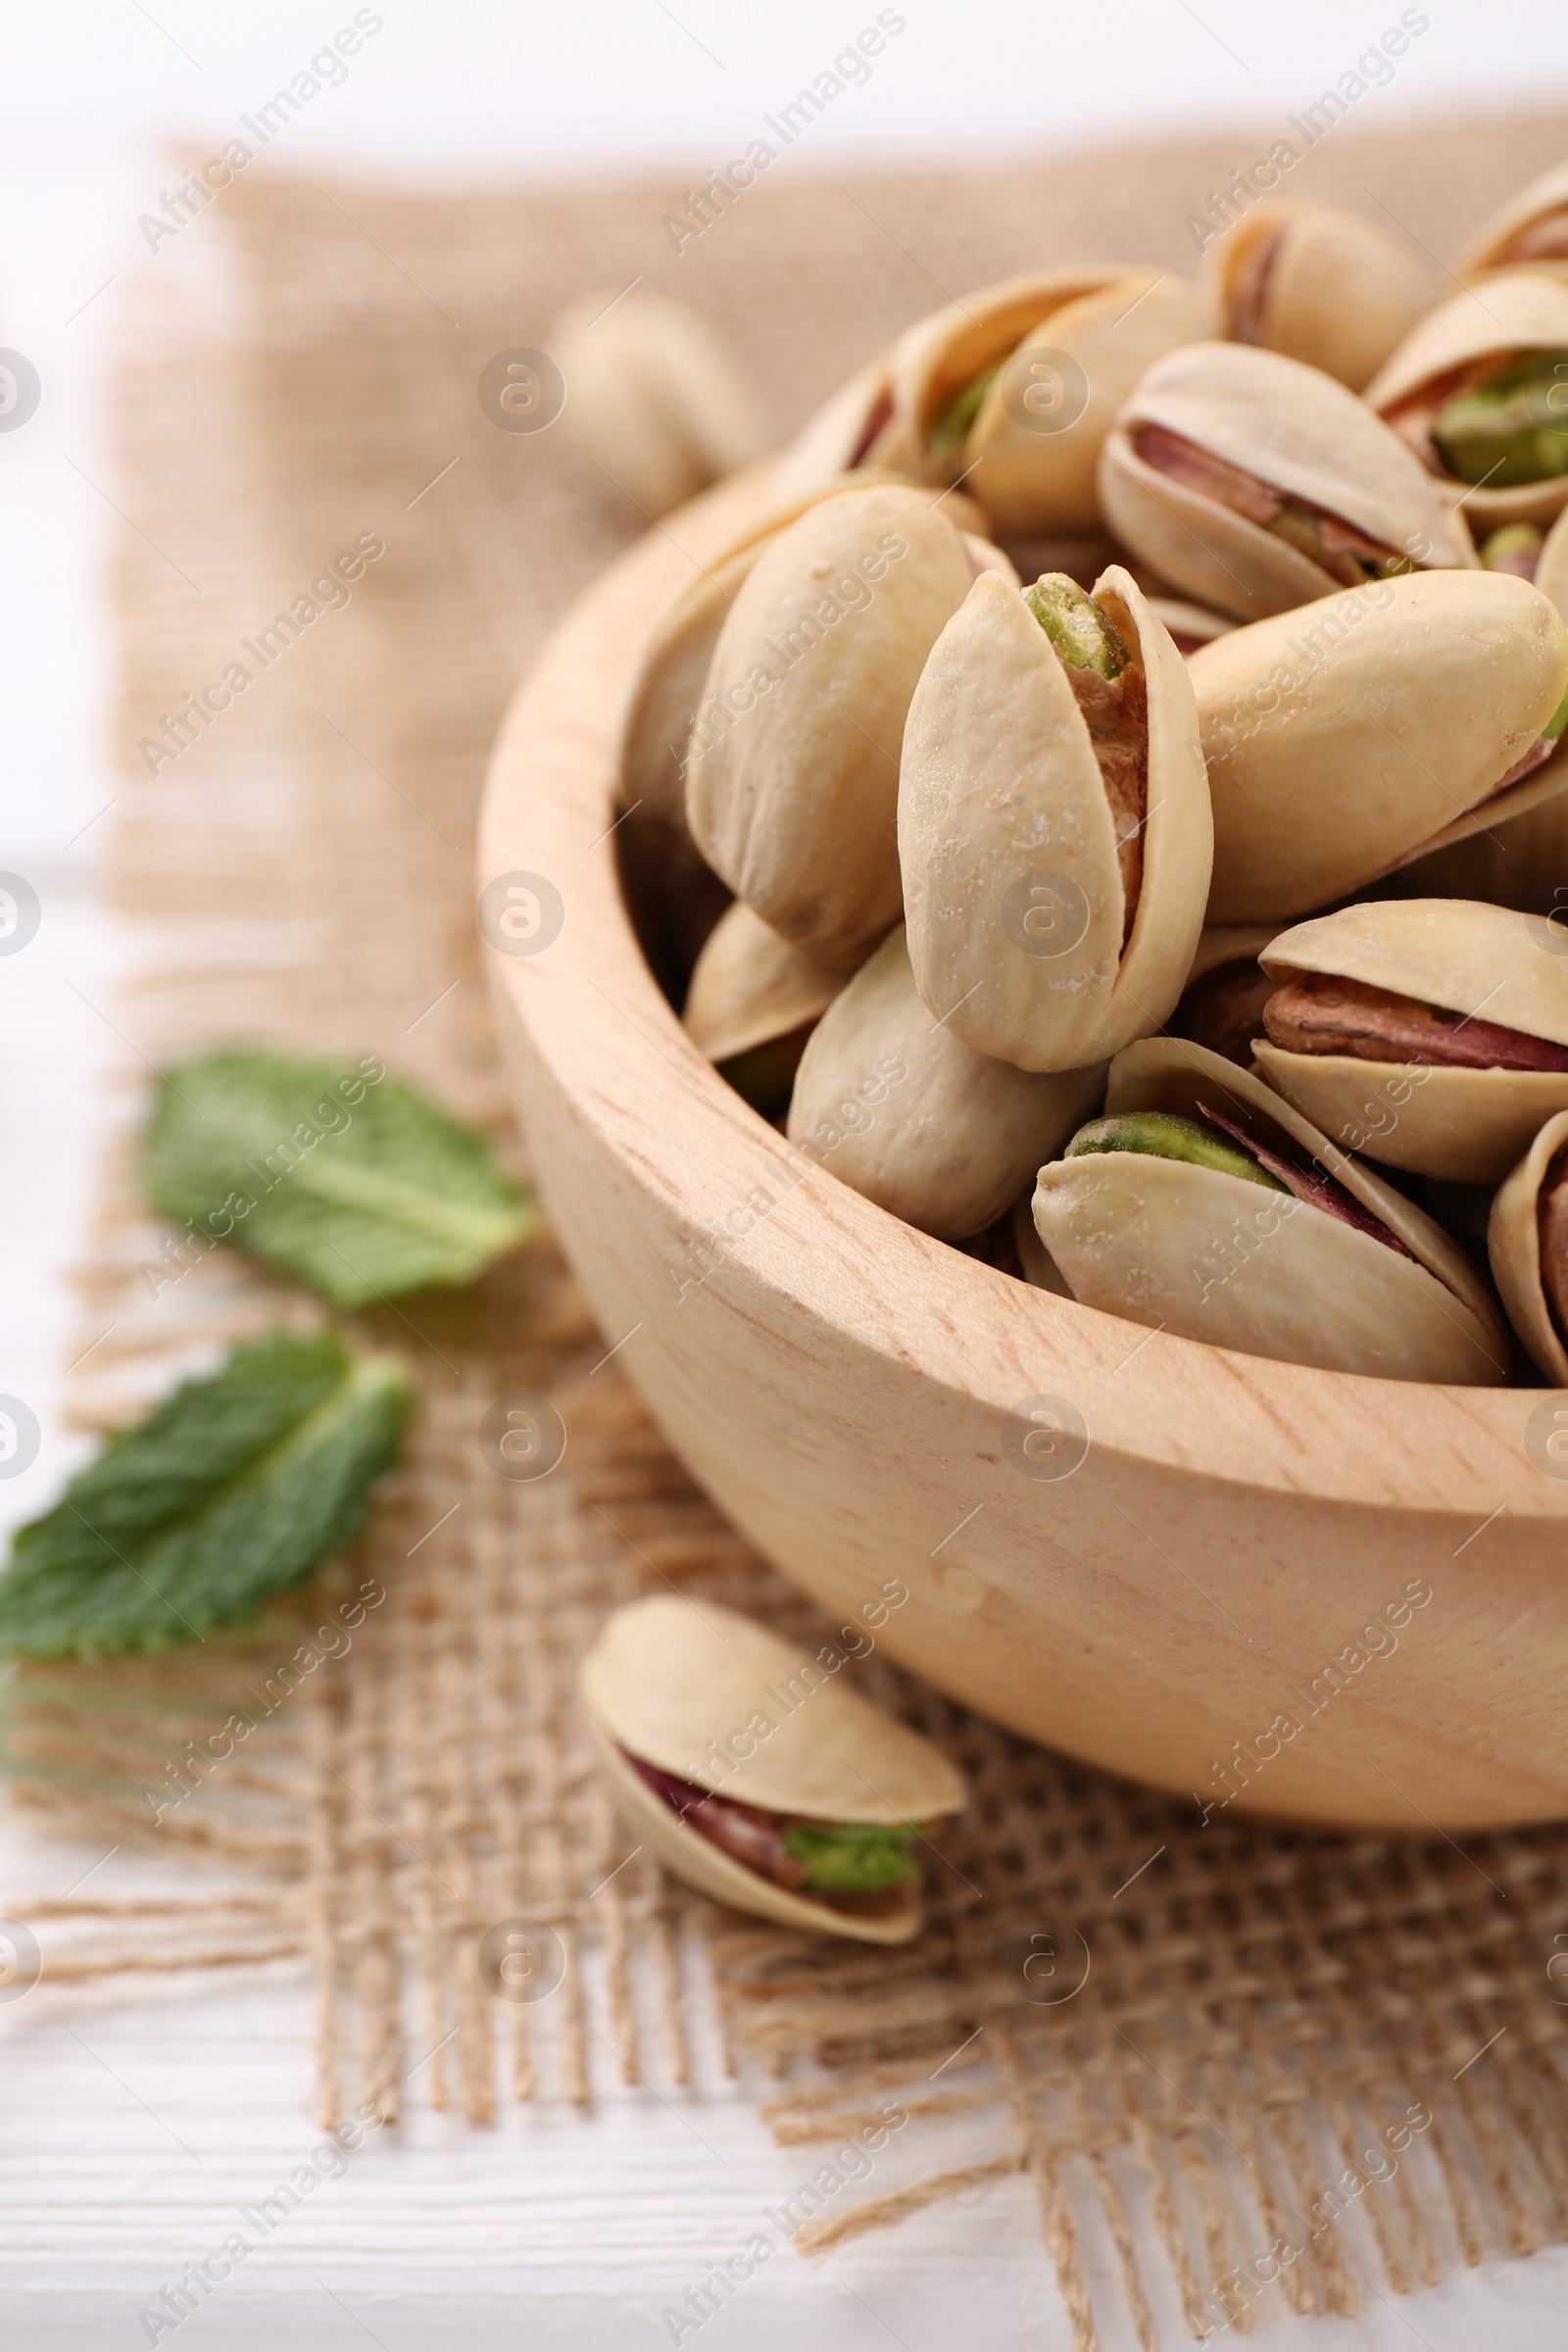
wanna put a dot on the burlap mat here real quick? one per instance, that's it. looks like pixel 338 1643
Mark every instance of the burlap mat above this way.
pixel 1347 2051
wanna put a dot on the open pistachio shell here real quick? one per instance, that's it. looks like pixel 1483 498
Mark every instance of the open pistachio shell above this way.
pixel 1039 1270
pixel 1513 1244
pixel 749 986
pixel 1466 1125
pixel 715 1699
pixel 657 400
pixel 1346 739
pixel 1013 888
pixel 1331 288
pixel 1213 1256
pixel 902 1111
pixel 856 427
pixel 793 778
pixel 1518 310
pixel 1294 429
pixel 1532 226
pixel 1190 625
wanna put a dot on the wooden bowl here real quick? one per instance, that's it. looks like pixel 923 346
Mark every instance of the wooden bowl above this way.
pixel 1298 1592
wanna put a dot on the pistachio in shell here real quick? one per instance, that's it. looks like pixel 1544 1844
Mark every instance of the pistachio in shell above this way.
pixel 1532 226
pixel 1053 825
pixel 1256 483
pixel 793 776
pixel 1205 1205
pixel 657 400
pixel 856 427
pixel 1190 625
pixel 898 1107
pixel 757 1777
pixel 1329 287
pixel 1385 721
pixel 1478 391
pixel 753 1002
pixel 1015 388
pixel 1527 1242
pixel 1431 1033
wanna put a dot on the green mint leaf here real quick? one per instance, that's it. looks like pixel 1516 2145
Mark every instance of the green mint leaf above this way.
pixel 232 1486
pixel 347 1179
pixel 852 1857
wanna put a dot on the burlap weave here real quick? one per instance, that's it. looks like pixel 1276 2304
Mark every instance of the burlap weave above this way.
pixel 1262 2009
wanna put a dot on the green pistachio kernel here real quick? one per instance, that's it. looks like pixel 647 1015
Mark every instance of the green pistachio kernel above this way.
pixel 1166 1137
pixel 1512 427
pixel 951 424
pixel 852 1857
pixel 1080 631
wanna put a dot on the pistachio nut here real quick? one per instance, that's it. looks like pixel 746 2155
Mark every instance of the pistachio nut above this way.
pixel 1478 390
pixel 1204 1204
pixel 1222 1005
pixel 659 704
pixel 1190 625
pixel 759 1779
pixel 656 400
pixel 1039 1268
pixel 1329 287
pixel 1053 825
pixel 1431 1033
pixel 855 427
pixel 793 776
pixel 751 1004
pixel 898 1108
pixel 1255 483
pixel 1527 1242
pixel 1532 226
pixel 1015 387
pixel 1387 720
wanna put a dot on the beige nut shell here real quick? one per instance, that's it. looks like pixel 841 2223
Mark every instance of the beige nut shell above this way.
pixel 1466 1125
pixel 999 783
pixel 1515 310
pixel 795 802
pixel 1488 249
pixel 749 986
pixel 1209 1256
pixel 1343 740
pixel 1513 1244
pixel 668 1678
pixel 902 1111
pixel 1341 291
pixel 657 400
pixel 1293 427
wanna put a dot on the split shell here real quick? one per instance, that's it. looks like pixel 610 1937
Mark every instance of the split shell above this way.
pixel 1341 290
pixel 854 427
pixel 1468 1126
pixel 793 800
pixel 1345 740
pixel 1303 434
pixel 1491 248
pixel 666 1682
pixel 1002 809
pixel 1209 1256
pixel 1516 310
pixel 654 722
pixel 655 398
pixel 749 987
pixel 1513 1244
pixel 903 1112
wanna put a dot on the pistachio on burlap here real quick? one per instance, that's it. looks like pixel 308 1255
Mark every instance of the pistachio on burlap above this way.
pixel 902 1111
pixel 1431 1033
pixel 1054 824
pixel 1389 720
pixel 1255 483
pixel 1532 226
pixel 1329 287
pixel 793 775
pixel 751 1004
pixel 1204 1204
pixel 1527 1240
pixel 758 1776
pixel 660 704
pixel 654 398
pixel 1478 390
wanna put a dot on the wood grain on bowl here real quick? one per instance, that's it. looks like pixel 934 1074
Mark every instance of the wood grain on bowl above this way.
pixel 1295 1593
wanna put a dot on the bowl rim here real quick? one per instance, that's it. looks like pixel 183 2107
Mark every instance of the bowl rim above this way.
pixel 589 1007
